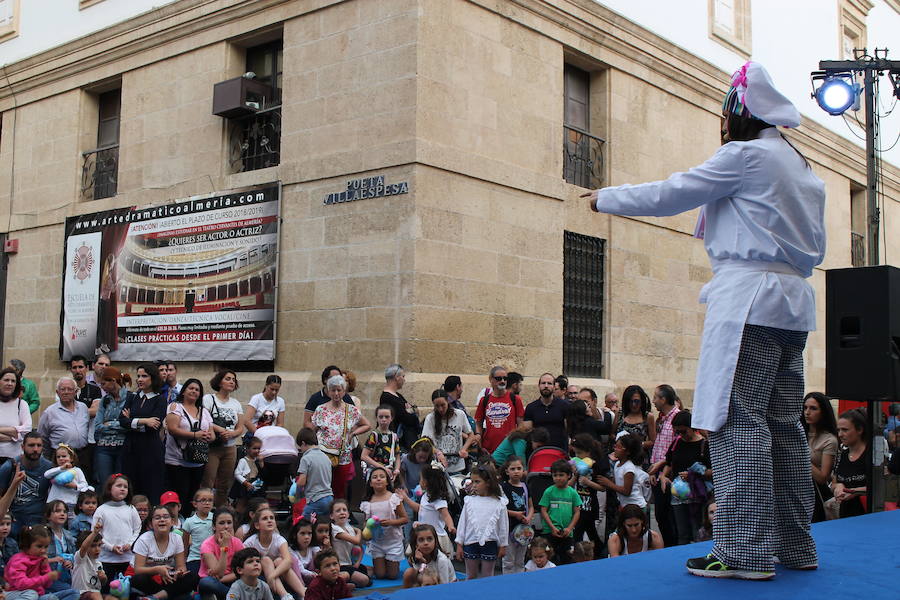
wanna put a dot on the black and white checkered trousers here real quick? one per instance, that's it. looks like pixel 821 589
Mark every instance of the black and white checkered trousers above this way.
pixel 760 458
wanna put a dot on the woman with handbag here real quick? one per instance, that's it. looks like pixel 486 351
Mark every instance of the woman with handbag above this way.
pixel 187 445
pixel 337 423
pixel 821 434
pixel 228 424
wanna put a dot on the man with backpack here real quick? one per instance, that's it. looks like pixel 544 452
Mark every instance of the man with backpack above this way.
pixel 499 411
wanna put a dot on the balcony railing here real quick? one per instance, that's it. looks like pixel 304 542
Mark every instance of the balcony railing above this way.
pixel 256 140
pixel 857 249
pixel 100 173
pixel 582 158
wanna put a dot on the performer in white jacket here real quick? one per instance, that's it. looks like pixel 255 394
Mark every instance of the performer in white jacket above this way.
pixel 762 219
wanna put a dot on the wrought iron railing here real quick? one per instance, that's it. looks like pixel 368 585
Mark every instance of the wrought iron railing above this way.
pixel 100 173
pixel 857 249
pixel 256 140
pixel 583 280
pixel 582 158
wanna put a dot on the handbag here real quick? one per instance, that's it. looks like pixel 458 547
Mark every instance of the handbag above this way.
pixel 218 420
pixel 196 450
pixel 334 454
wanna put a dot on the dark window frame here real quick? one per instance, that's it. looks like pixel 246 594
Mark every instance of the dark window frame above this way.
pixel 584 278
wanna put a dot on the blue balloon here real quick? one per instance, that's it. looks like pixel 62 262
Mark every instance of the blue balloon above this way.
pixel 681 489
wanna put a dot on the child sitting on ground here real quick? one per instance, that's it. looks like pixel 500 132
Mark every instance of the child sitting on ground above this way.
pixel 247 565
pixel 541 553
pixel 425 554
pixel 328 584
pixel 88 575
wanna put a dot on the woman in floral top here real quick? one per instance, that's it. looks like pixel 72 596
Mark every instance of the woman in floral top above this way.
pixel 337 423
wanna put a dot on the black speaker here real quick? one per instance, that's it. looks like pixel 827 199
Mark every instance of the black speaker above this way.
pixel 862 333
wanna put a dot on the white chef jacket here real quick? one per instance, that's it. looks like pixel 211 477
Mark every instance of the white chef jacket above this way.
pixel 765 232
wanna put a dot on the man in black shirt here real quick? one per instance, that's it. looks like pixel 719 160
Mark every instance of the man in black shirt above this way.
pixel 404 413
pixel 321 397
pixel 549 412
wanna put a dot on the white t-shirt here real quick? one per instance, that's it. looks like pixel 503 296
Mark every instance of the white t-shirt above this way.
pixel 637 496
pixel 261 405
pixel 230 411
pixel 273 550
pixel 146 546
pixel 530 566
pixel 342 547
pixel 429 515
pixel 84 573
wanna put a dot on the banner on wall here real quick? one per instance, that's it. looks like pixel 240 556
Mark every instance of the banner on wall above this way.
pixel 191 280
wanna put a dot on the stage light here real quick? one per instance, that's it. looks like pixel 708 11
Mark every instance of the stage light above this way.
pixel 837 94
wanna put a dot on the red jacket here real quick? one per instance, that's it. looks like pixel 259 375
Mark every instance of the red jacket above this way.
pixel 27 572
pixel 319 589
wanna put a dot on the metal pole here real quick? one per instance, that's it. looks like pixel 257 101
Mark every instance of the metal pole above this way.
pixel 871 175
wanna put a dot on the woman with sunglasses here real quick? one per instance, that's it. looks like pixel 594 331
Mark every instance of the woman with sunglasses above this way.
pixel 635 418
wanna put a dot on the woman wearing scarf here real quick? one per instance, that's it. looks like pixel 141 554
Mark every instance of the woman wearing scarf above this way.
pixel 762 221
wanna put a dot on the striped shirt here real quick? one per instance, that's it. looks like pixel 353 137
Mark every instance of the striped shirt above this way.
pixel 665 435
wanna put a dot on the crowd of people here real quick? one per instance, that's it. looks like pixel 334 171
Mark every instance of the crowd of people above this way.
pixel 163 490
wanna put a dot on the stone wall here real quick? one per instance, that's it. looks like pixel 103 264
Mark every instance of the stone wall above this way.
pixel 462 99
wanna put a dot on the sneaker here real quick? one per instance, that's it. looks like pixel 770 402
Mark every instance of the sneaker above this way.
pixel 710 566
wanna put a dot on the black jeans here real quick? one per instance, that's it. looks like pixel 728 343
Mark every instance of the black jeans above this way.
pixel 587 524
pixel 662 508
pixel 182 586
pixel 184 481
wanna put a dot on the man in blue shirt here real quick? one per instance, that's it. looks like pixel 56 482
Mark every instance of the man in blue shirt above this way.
pixel 28 505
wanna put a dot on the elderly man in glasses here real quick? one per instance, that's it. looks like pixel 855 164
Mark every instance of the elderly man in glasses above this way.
pixel 499 411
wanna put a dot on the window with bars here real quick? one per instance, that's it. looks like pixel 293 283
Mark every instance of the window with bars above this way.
pixel 100 168
pixel 583 280
pixel 582 152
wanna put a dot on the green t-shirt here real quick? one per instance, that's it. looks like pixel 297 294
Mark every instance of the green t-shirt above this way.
pixel 507 448
pixel 561 504
pixel 30 395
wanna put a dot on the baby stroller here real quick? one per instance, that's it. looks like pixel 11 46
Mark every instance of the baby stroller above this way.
pixel 538 477
pixel 280 458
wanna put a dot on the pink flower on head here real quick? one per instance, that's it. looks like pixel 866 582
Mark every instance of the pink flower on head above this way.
pixel 739 81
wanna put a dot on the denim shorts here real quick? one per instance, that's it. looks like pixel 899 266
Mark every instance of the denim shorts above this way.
pixel 487 551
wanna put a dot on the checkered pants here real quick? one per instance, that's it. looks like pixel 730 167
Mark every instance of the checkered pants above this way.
pixel 760 458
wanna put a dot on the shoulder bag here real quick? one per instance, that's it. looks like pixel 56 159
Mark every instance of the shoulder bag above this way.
pixel 196 450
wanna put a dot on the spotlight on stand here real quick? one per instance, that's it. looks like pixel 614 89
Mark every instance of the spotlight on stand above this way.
pixel 837 93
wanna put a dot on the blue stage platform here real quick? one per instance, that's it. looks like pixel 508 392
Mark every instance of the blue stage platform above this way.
pixel 858 558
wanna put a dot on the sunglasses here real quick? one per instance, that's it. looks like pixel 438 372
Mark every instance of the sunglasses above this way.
pixel 500 378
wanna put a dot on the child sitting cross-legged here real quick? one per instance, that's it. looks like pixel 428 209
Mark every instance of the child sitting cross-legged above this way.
pixel 217 552
pixel 328 584
pixel 28 569
pixel 159 566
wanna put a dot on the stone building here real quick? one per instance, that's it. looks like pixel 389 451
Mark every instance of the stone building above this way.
pixel 496 114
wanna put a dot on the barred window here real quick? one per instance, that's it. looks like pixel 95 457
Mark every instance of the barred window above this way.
pixel 583 280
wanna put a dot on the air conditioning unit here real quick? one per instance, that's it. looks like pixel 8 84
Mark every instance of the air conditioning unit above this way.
pixel 239 97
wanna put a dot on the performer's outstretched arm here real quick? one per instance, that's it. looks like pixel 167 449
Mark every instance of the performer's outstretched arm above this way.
pixel 717 178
